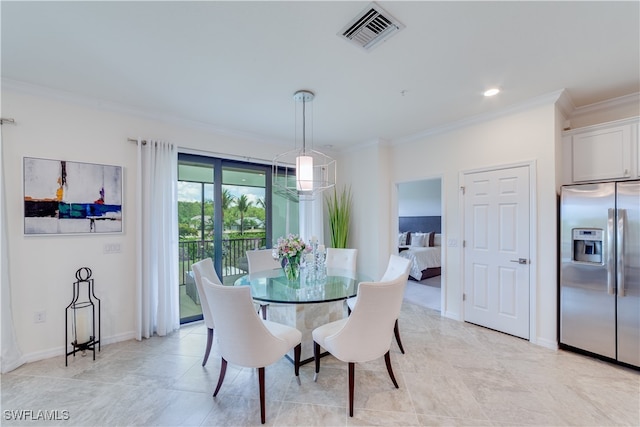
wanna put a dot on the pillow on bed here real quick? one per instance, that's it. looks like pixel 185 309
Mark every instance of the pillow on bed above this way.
pixel 402 239
pixel 419 239
pixel 437 239
pixel 430 239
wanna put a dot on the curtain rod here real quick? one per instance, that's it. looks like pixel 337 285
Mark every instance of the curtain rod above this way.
pixel 8 121
pixel 144 141
pixel 214 153
pixel 226 156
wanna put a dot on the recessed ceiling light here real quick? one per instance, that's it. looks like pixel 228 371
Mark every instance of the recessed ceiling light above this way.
pixel 492 92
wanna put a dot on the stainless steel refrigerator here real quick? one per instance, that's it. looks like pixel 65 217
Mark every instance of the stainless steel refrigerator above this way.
pixel 600 269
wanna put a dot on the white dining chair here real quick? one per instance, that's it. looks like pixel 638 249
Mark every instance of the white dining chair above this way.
pixel 367 333
pixel 397 267
pixel 341 259
pixel 204 268
pixel 244 338
pixel 262 260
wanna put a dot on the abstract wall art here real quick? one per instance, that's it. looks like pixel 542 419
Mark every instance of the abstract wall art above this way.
pixel 62 197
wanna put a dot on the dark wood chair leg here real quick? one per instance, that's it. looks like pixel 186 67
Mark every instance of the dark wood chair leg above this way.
pixel 316 357
pixel 352 368
pixel 396 332
pixel 262 400
pixel 296 361
pixel 387 361
pixel 223 371
pixel 209 343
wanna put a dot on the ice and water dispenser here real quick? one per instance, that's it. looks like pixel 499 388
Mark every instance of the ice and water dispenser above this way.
pixel 587 245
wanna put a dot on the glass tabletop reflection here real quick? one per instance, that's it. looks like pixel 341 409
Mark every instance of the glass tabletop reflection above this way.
pixel 273 286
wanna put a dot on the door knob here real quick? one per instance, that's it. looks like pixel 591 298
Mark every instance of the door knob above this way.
pixel 522 261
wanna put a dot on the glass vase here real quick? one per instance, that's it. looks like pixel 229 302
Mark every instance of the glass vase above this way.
pixel 292 269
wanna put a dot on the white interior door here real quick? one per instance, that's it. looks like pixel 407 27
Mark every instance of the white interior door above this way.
pixel 496 254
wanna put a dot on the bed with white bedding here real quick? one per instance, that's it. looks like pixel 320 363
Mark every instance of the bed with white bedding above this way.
pixel 425 254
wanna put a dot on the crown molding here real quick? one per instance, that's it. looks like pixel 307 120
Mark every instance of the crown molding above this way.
pixel 565 103
pixel 546 99
pixel 73 98
pixel 632 99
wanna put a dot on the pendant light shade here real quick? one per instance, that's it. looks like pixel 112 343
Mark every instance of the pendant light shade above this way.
pixel 304 173
pixel 314 171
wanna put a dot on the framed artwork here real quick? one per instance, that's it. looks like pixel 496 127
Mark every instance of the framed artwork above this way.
pixel 62 197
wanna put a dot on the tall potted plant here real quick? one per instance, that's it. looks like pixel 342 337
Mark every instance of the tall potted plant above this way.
pixel 339 209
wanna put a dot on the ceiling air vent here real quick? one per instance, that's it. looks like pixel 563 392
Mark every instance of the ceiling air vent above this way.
pixel 371 27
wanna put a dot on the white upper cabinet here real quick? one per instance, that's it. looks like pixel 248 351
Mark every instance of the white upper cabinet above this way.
pixel 604 152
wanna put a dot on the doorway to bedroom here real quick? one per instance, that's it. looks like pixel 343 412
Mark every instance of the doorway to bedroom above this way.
pixel 420 239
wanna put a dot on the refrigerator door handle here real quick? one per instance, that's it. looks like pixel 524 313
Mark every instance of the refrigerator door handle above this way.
pixel 622 219
pixel 610 252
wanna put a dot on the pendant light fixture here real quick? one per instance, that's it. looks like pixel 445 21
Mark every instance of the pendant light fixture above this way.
pixel 314 171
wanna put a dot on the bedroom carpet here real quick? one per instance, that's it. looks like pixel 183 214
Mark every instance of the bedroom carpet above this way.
pixel 425 293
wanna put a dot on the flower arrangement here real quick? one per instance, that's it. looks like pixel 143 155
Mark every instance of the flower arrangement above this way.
pixel 290 250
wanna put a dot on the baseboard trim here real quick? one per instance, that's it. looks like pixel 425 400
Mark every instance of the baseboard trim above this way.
pixel 57 351
pixel 543 342
pixel 453 315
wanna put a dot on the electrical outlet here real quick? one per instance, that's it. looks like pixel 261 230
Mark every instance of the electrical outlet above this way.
pixel 40 317
pixel 111 248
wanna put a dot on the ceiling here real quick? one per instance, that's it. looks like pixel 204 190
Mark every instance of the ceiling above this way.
pixel 234 66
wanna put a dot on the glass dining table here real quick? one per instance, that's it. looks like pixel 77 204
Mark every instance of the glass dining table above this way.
pixel 303 303
pixel 272 286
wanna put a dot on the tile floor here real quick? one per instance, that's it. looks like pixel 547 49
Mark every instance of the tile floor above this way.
pixel 425 293
pixel 453 374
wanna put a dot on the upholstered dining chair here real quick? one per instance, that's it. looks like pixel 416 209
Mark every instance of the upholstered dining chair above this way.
pixel 244 338
pixel 261 260
pixel 397 267
pixel 341 259
pixel 204 268
pixel 367 333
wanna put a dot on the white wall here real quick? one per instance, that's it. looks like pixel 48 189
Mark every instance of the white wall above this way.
pixel 42 268
pixel 420 198
pixel 366 170
pixel 523 136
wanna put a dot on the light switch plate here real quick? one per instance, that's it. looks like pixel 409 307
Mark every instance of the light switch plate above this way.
pixel 112 248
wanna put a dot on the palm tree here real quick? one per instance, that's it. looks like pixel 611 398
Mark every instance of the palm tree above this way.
pixel 227 202
pixel 227 199
pixel 243 204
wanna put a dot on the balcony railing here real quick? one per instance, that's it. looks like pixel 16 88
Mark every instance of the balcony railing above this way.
pixel 234 261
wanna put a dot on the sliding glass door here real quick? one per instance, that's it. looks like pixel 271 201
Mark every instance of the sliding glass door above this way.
pixel 225 208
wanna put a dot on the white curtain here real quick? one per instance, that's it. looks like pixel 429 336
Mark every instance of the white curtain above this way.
pixel 11 356
pixel 157 294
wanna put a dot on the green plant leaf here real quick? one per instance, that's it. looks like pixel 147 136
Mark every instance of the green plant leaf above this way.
pixel 339 209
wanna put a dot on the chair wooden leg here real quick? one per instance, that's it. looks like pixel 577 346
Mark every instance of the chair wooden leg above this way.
pixel 316 357
pixel 352 368
pixel 209 342
pixel 387 360
pixel 296 361
pixel 262 400
pixel 223 371
pixel 396 332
